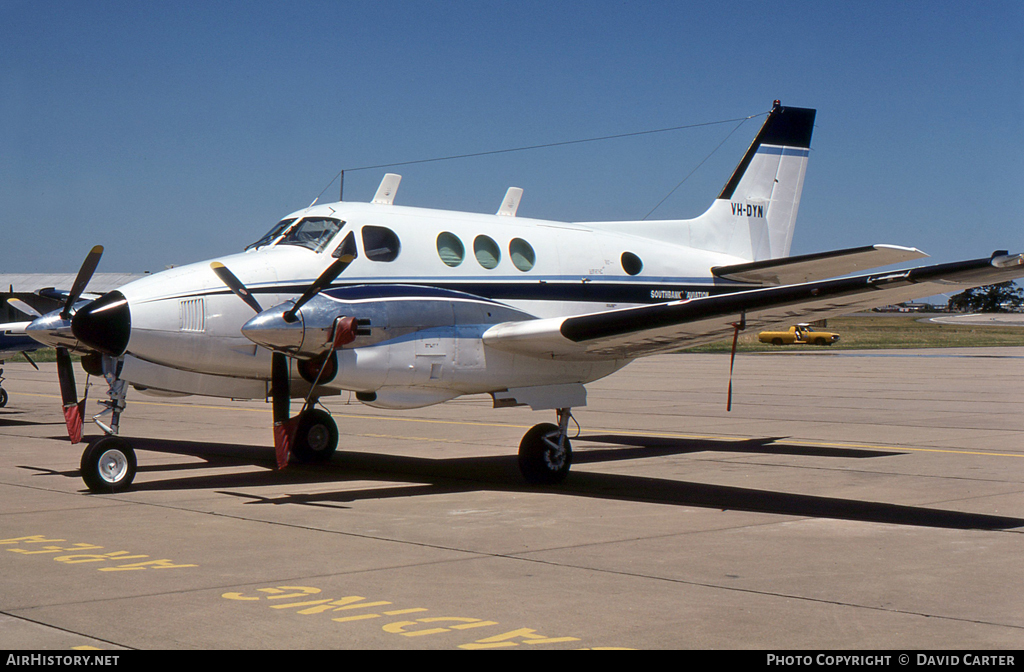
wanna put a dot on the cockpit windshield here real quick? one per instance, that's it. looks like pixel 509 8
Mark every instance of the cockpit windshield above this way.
pixel 310 232
pixel 274 232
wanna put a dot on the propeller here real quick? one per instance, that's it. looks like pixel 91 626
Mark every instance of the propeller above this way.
pixel 236 286
pixel 92 260
pixel 346 253
pixel 285 426
pixel 74 410
pixel 24 307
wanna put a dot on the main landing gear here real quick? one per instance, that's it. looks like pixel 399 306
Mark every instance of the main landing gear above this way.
pixel 545 453
pixel 316 438
pixel 108 463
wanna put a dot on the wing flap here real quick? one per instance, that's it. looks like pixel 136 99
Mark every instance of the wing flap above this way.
pixel 812 267
pixel 663 327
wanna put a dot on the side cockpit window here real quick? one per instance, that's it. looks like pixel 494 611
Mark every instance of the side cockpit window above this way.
pixel 380 244
pixel 312 232
pixel 272 235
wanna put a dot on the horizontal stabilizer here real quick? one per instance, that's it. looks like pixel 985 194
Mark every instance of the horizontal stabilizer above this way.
pixel 819 266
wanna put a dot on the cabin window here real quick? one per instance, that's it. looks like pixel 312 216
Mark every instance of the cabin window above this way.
pixel 450 249
pixel 486 251
pixel 380 244
pixel 522 255
pixel 312 232
pixel 271 235
pixel 631 263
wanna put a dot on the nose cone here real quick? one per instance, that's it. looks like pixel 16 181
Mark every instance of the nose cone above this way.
pixel 272 331
pixel 105 325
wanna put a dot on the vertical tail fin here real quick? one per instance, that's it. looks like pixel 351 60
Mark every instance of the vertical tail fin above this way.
pixel 765 188
pixel 754 215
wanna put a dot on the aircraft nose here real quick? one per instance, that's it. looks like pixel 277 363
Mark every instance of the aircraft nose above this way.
pixel 104 325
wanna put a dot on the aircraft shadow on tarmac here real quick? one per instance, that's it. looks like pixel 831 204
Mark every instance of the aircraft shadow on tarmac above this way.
pixel 419 476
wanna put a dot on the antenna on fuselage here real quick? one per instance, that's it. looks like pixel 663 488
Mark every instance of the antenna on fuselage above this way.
pixel 387 189
pixel 341 187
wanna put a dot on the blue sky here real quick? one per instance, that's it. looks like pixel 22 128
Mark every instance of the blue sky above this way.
pixel 175 132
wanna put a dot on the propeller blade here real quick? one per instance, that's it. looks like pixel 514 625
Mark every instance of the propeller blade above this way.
pixel 73 409
pixel 280 394
pixel 25 355
pixel 235 285
pixel 92 260
pixel 346 255
pixel 24 307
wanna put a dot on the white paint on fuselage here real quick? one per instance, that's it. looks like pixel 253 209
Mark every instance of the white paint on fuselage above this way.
pixel 565 254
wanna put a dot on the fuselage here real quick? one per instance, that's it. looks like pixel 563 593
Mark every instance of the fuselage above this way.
pixel 430 282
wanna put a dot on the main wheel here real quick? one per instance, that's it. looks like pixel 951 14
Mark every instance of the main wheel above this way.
pixel 316 438
pixel 776 341
pixel 541 460
pixel 3 397
pixel 108 465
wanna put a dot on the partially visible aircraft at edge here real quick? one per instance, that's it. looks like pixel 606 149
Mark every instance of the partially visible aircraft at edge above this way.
pixel 14 341
pixel 407 307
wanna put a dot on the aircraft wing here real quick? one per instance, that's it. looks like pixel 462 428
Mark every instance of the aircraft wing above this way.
pixel 13 339
pixel 811 267
pixel 648 330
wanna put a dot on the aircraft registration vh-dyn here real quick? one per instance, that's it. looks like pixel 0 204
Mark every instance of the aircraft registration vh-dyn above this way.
pixel 407 307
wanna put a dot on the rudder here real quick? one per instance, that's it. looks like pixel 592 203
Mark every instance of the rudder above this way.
pixel 767 183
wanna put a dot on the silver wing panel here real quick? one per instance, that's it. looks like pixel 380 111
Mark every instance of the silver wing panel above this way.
pixel 649 330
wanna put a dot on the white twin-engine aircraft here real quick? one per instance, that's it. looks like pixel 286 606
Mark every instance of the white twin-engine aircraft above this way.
pixel 408 307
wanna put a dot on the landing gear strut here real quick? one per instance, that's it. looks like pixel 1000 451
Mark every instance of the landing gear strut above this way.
pixel 108 463
pixel 545 453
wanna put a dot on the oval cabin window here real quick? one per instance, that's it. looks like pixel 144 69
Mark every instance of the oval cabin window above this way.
pixel 522 255
pixel 486 251
pixel 450 249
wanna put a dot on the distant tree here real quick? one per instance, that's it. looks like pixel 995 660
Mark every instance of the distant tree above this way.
pixel 1001 298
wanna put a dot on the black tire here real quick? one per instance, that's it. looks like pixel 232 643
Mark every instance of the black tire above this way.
pixel 776 341
pixel 540 460
pixel 316 438
pixel 3 397
pixel 108 465
pixel 821 341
